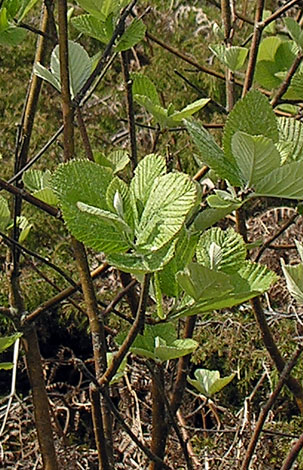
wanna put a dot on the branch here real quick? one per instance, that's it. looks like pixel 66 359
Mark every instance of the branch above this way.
pixel 267 407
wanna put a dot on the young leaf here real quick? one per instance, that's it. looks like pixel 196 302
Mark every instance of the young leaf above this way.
pixel 233 57
pixel 143 263
pixel 208 382
pixel 256 156
pixel 95 7
pixel 148 169
pixel 285 181
pixel 189 110
pixel 233 250
pixel 87 182
pixel 92 26
pixel 212 155
pixel 158 112
pixel 7 341
pixel 172 197
pixel 79 68
pixel 107 216
pixel 133 34
pixel 179 348
pixel 47 195
pixel 243 118
pixel 142 85
pixel 203 283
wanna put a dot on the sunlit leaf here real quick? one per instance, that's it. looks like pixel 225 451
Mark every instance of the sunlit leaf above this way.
pixel 208 382
pixel 7 341
pixel 132 35
pixel 285 181
pixel 5 216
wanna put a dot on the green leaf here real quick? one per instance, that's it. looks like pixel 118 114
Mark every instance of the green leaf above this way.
pixel 268 48
pixel 294 280
pixel 233 250
pixel 233 57
pixel 11 7
pixel 157 111
pixel 179 348
pixel 172 197
pixel 4 24
pixel 6 365
pixel 243 118
pixel 142 85
pixel 133 34
pixel 295 90
pixel 294 30
pixel 285 181
pixel 223 199
pixel 79 68
pixel 95 7
pixel 85 181
pixel 183 255
pixel 158 296
pixel 107 216
pixel 92 26
pixel 47 195
pixel 5 215
pixel 189 110
pixel 201 282
pixel 143 263
pixel 291 133
pixel 118 189
pixel 25 227
pixel 266 74
pixel 7 341
pixel 119 159
pixel 208 382
pixel 212 155
pixel 256 156
pixel 210 216
pixel 12 36
pixel 148 169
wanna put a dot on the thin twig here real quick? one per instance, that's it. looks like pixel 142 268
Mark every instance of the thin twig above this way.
pixel 293 454
pixel 268 405
pixel 286 83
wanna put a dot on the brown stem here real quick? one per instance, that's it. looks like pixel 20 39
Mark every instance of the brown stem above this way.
pixel 130 108
pixel 103 433
pixel 84 135
pixel 269 342
pixel 159 420
pixel 40 400
pixel 293 454
pixel 135 329
pixel 267 407
pixel 131 295
pixel 258 29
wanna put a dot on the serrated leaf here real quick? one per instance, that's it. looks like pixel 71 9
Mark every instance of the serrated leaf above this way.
pixel 208 382
pixel 95 7
pixel 142 85
pixel 201 282
pixel 256 156
pixel 295 90
pixel 92 26
pixel 119 159
pixel 212 155
pixel 148 169
pixel 5 215
pixel 85 181
pixel 233 250
pixel 143 263
pixel 172 197
pixel 183 255
pixel 133 34
pixel 268 48
pixel 243 118
pixel 285 181
pixel 33 180
pixel 291 134
pixel 107 216
pixel 7 341
pixel 294 280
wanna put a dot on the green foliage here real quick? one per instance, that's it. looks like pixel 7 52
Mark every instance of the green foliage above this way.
pixel 80 67
pixel 233 57
pixel 104 213
pixel 295 31
pixel 5 343
pixel 160 343
pixel 208 382
pixel 38 182
pixel 294 276
pixel 10 33
pixel 145 93
pixel 5 215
